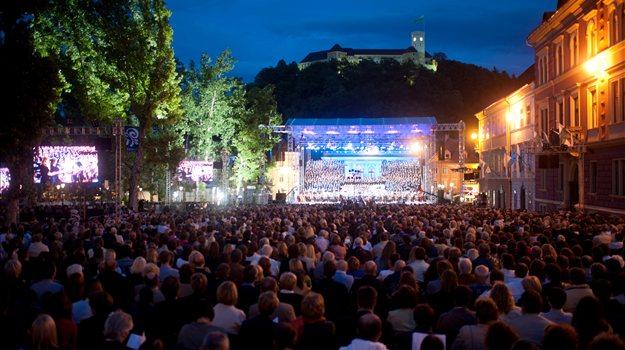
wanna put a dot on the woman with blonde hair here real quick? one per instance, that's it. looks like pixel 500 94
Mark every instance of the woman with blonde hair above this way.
pixel 227 316
pixel 531 283
pixel 136 271
pixel 43 333
pixel 505 302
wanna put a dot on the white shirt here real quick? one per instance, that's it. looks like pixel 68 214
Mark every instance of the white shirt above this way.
pixel 558 316
pixel 516 288
pixel 419 267
pixel 81 310
pixel 361 344
pixel 228 317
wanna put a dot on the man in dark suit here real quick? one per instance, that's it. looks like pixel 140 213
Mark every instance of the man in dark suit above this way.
pixel 451 321
pixel 257 332
pixel 370 279
pixel 334 293
pixel 248 290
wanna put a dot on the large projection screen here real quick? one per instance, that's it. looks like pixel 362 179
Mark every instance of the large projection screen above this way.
pixel 66 164
pixel 195 171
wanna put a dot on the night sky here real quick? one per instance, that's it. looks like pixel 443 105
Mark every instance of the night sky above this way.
pixel 261 32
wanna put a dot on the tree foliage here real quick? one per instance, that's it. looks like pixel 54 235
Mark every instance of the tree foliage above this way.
pixel 255 136
pixel 222 118
pixel 31 89
pixel 118 62
pixel 336 88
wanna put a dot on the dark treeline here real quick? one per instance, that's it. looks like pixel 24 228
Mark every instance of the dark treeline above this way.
pixel 456 91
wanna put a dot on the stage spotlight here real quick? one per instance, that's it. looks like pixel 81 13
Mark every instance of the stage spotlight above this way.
pixel 416 147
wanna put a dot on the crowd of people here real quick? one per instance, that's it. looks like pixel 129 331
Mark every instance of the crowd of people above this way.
pixel 327 181
pixel 348 276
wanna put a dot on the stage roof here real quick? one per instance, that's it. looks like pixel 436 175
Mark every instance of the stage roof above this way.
pixel 362 121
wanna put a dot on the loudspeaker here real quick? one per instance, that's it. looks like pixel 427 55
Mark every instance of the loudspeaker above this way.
pixel 280 198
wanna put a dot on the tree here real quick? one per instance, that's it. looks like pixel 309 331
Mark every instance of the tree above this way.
pixel 255 136
pixel 31 92
pixel 209 98
pixel 138 45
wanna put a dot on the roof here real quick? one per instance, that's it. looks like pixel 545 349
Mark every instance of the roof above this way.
pixel 367 121
pixel 322 55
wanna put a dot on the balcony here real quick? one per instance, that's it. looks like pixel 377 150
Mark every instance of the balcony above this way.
pixel 616 131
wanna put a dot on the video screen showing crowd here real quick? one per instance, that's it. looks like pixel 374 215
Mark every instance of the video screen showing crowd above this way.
pixel 193 171
pixel 388 181
pixel 66 164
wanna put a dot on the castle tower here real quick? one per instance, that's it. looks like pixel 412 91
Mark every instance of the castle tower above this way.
pixel 417 40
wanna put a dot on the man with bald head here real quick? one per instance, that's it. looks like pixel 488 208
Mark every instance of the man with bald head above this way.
pixel 369 332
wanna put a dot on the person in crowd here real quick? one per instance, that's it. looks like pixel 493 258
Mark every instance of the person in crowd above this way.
pixel 450 322
pixel 577 290
pixel 283 313
pixel 192 334
pixel 369 332
pixel 288 282
pixel 43 333
pixel 401 318
pixel 315 331
pixel 473 336
pixel 227 316
pixel 257 332
pixel 556 297
pixel 500 337
pixel 505 302
pixel 117 328
pixel 215 341
pixel 342 276
pixel 418 263
pixel 560 336
pixel 530 325
pixel 589 320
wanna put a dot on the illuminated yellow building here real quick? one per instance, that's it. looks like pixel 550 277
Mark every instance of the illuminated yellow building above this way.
pixel 506 131
pixel 580 106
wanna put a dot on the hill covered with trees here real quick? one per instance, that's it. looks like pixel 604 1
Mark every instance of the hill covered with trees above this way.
pixel 456 91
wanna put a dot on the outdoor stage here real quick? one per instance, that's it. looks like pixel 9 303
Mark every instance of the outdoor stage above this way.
pixel 370 159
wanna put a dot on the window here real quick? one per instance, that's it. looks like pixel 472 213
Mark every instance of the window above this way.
pixel 559 59
pixel 528 114
pixel 615 36
pixel 543 182
pixel 618 177
pixel 620 117
pixel 573 47
pixel 521 160
pixel 593 177
pixel 615 100
pixel 560 112
pixel 543 75
pixel 591 40
pixel 561 177
pixel 544 120
pixel 593 121
pixel 574 115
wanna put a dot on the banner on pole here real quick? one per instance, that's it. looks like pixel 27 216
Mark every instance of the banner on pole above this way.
pixel 132 138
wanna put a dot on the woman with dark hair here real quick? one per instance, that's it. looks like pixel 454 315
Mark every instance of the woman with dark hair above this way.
pixel 472 337
pixel 589 321
pixel 401 318
pixel 443 300
pixel 500 337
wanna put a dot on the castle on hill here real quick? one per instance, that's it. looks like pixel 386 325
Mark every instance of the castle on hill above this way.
pixel 415 53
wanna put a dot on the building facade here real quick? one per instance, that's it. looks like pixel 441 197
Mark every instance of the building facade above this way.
pixel 580 106
pixel 505 137
pixel 415 53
